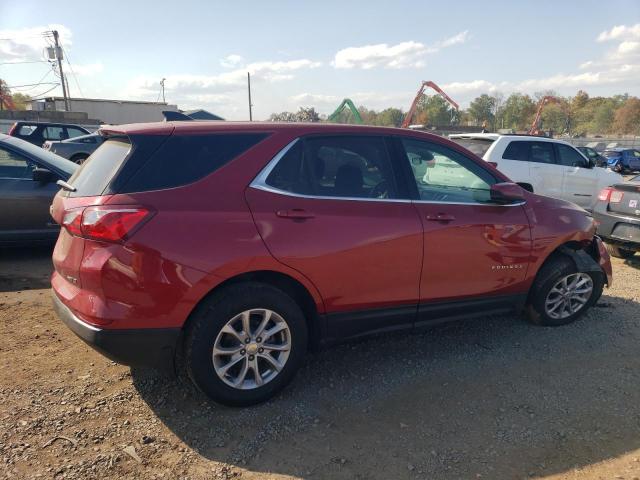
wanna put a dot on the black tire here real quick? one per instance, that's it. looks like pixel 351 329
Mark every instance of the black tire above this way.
pixel 79 159
pixel 213 314
pixel 619 252
pixel 554 269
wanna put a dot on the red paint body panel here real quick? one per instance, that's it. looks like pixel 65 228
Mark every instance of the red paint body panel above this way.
pixel 359 254
pixel 351 255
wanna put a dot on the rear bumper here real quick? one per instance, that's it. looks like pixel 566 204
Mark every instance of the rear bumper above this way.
pixel 148 347
pixel 609 225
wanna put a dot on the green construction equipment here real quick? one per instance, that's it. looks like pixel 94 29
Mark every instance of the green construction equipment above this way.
pixel 346 103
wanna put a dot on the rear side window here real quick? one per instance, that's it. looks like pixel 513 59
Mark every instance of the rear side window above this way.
pixel 517 151
pixel 184 159
pixel 94 175
pixel 26 130
pixel 542 152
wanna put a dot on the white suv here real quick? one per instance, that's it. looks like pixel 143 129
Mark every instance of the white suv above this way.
pixel 551 167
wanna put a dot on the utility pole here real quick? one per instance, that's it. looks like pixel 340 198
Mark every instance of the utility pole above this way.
pixel 250 104
pixel 59 58
pixel 162 87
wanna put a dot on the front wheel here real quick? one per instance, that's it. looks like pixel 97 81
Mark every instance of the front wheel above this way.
pixel 245 344
pixel 561 294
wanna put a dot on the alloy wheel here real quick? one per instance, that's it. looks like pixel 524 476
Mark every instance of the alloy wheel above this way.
pixel 569 295
pixel 251 349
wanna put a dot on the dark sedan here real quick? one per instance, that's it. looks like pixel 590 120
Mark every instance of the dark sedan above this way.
pixel 596 159
pixel 28 176
pixel 617 215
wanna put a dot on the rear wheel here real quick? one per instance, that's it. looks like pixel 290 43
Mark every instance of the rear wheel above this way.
pixel 245 344
pixel 561 294
pixel 79 159
pixel 619 252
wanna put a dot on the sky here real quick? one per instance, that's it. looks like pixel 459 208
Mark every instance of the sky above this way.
pixel 303 53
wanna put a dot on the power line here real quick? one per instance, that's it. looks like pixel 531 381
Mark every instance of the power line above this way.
pixel 39 96
pixel 48 72
pixel 75 78
pixel 32 84
pixel 20 63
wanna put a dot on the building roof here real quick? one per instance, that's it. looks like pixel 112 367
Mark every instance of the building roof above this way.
pixel 105 100
pixel 200 114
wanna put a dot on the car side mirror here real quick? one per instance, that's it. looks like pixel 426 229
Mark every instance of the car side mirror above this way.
pixel 506 193
pixel 43 175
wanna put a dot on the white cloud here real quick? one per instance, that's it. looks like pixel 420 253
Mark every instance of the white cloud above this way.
pixel 88 69
pixel 620 32
pixel 408 54
pixel 28 44
pixel 231 61
pixel 473 86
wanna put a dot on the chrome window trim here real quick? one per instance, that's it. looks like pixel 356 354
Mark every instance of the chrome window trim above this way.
pixel 260 183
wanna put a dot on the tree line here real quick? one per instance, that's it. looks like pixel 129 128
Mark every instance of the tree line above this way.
pixel 576 116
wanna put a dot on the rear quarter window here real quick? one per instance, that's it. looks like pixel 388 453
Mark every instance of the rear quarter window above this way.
pixel 184 159
pixel 94 175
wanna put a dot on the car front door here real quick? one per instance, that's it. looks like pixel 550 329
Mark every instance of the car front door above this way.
pixel 476 252
pixel 579 181
pixel 24 203
pixel 333 208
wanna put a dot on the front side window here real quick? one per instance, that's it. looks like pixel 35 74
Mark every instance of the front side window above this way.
pixel 569 157
pixel 444 175
pixel 340 166
pixel 13 165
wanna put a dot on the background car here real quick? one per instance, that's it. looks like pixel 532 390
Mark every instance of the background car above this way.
pixel 242 245
pixel 75 149
pixel 597 159
pixel 39 132
pixel 618 217
pixel 28 176
pixel 548 166
pixel 623 160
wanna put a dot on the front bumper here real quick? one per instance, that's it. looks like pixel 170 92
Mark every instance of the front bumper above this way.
pixel 147 347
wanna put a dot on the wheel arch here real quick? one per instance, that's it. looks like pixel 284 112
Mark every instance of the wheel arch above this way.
pixel 288 284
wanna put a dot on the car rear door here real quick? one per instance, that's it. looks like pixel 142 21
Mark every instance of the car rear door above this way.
pixel 579 181
pixel 476 252
pixel 24 203
pixel 334 209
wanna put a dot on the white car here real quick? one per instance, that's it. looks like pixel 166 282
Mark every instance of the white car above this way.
pixel 550 167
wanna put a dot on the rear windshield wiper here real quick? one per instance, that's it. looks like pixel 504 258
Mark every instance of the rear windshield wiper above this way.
pixel 66 186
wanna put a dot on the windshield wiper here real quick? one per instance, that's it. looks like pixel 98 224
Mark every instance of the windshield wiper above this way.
pixel 66 186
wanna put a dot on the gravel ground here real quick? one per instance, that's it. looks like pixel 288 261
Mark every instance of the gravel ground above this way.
pixel 492 398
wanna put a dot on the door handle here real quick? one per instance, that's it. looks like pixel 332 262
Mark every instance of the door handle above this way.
pixel 440 217
pixel 295 214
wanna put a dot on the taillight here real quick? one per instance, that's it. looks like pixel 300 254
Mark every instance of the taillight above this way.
pixel 604 194
pixel 72 221
pixel 616 196
pixel 12 129
pixel 105 223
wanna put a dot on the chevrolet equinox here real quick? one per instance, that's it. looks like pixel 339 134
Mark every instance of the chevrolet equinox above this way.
pixel 237 247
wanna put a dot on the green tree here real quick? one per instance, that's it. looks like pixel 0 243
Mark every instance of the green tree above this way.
pixel 302 115
pixel 518 112
pixel 391 117
pixel 481 109
pixel 434 110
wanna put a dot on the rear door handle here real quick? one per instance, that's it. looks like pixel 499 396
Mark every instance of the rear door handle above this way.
pixel 295 214
pixel 440 217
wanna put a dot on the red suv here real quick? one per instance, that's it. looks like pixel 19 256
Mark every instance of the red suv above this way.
pixel 239 246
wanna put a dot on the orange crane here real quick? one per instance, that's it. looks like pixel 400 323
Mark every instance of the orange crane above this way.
pixel 535 126
pixel 412 110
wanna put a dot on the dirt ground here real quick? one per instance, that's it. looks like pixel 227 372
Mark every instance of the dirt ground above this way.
pixel 492 398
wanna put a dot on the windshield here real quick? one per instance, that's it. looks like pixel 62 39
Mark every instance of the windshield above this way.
pixel 476 145
pixel 49 160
